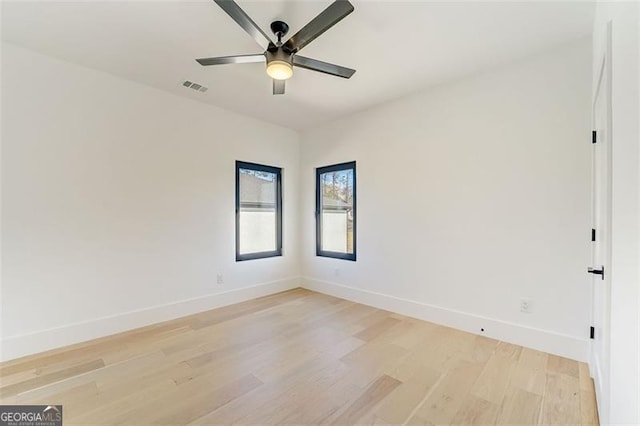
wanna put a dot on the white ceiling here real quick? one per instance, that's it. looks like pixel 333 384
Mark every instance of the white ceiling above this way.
pixel 396 47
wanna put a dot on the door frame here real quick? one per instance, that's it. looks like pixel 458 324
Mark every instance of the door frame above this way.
pixel 601 375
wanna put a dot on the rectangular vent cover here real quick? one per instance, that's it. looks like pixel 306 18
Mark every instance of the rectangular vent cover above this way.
pixel 195 86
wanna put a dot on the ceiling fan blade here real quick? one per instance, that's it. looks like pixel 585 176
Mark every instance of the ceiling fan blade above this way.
pixel 318 25
pixel 239 59
pixel 247 24
pixel 278 87
pixel 325 67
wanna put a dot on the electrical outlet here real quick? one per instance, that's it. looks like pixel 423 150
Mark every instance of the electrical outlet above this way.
pixel 525 305
pixel 219 279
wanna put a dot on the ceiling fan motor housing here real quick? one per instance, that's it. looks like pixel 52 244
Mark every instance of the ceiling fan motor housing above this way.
pixel 278 54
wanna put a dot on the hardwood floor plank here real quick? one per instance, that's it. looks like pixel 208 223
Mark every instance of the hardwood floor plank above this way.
pixel 586 382
pixel 449 395
pixel 415 368
pixel 562 400
pixel 41 381
pixel 333 347
pixel 482 349
pixel 399 405
pixel 203 403
pixel 560 365
pixel 73 396
pixel 115 372
pixel 368 400
pixel 520 407
pixel 323 405
pixel 476 411
pixel 264 404
pixel 305 396
pixel 496 375
pixel 371 360
pixel 416 333
pixel 377 328
pixel 588 407
pixel 121 395
pixel 531 372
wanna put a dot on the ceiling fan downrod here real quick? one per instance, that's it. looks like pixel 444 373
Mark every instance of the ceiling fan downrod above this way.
pixel 280 29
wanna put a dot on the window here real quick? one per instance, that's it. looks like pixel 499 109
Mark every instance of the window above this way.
pixel 258 211
pixel 336 211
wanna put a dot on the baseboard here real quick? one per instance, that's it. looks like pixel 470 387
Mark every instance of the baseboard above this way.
pixel 542 340
pixel 21 345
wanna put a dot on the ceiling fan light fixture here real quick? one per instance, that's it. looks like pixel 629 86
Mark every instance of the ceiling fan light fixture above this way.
pixel 279 70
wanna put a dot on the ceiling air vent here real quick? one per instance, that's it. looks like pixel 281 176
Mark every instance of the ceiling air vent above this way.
pixel 195 86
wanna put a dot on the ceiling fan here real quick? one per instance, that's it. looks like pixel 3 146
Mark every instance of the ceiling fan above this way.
pixel 282 57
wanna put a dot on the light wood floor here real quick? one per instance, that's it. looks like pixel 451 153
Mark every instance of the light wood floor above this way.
pixel 300 357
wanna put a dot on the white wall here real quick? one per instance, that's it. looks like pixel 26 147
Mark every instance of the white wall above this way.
pixel 622 404
pixel 118 204
pixel 471 196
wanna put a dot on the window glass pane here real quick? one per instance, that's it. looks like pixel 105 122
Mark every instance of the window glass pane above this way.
pixel 258 211
pixel 337 212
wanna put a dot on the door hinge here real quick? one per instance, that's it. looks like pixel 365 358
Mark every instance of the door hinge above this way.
pixel 594 136
pixel 597 271
pixel 592 333
pixel 593 234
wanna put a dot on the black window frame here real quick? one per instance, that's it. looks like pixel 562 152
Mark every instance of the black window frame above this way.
pixel 260 168
pixel 351 165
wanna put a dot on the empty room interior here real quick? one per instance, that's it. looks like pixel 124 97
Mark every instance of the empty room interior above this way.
pixel 320 212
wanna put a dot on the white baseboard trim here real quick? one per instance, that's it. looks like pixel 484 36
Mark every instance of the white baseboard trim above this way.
pixel 27 344
pixel 542 340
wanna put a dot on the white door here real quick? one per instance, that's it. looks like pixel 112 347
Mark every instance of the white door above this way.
pixel 601 217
